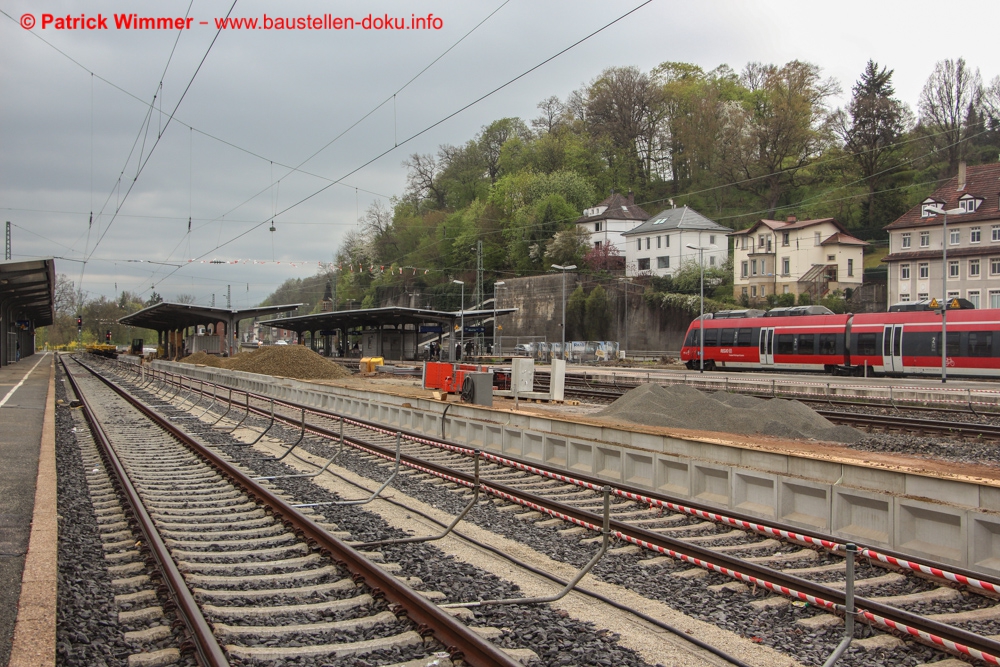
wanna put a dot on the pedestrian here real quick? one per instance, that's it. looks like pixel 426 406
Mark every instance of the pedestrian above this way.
pixel 17 355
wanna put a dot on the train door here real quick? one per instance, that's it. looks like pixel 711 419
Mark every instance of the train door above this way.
pixel 766 346
pixel 892 348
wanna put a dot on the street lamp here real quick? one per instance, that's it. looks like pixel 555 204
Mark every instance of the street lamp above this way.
pixel 564 269
pixel 944 285
pixel 461 335
pixel 499 347
pixel 701 317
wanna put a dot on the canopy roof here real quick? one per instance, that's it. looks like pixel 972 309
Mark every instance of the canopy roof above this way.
pixel 29 287
pixel 377 317
pixel 167 316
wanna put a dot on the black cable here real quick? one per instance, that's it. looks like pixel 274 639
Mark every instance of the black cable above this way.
pixel 553 578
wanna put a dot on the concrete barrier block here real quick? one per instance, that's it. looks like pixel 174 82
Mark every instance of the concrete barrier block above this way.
pixel 766 461
pixel 805 504
pixel 710 484
pixel 492 437
pixel 984 545
pixel 608 463
pixel 458 431
pixel 580 456
pixel 863 515
pixel 393 416
pixel 554 451
pixel 648 441
pixel 989 498
pixel 886 481
pixel 673 476
pixel 639 469
pixel 931 530
pixel 755 493
pixel 532 446
pixel 514 443
pixel 943 490
pixel 476 435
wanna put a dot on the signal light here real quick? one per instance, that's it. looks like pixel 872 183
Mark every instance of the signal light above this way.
pixel 79 323
pixel 107 336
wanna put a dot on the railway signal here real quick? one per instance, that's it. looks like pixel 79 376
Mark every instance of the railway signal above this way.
pixel 79 324
pixel 107 336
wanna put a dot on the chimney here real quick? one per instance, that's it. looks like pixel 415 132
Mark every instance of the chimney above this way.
pixel 631 198
pixel 791 218
pixel 961 175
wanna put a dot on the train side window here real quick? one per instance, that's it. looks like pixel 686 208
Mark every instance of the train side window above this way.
pixel 744 338
pixel 920 344
pixel 980 343
pixel 807 343
pixel 867 344
pixel 711 337
pixel 728 336
pixel 954 344
pixel 886 344
pixel 692 339
pixel 827 344
pixel 786 344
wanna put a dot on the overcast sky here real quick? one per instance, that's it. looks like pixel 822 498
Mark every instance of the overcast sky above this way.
pixel 73 106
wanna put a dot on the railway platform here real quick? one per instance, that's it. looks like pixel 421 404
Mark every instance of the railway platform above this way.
pixel 28 528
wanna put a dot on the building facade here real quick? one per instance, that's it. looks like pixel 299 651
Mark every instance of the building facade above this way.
pixel 659 246
pixel 917 241
pixel 608 220
pixel 794 257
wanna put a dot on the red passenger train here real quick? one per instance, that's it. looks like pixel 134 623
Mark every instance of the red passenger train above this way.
pixel 812 338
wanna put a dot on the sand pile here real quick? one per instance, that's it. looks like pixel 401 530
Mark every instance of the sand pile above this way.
pixel 203 358
pixel 290 361
pixel 685 407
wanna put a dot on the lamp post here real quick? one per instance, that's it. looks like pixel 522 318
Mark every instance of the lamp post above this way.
pixel 944 285
pixel 498 347
pixel 564 269
pixel 701 317
pixel 461 335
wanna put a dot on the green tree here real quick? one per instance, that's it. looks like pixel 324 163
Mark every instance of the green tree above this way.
pixel 568 246
pixel 871 129
pixel 779 128
pixel 598 314
pixel 576 313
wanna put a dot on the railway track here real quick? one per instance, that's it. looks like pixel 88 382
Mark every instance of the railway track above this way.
pixel 766 566
pixel 253 578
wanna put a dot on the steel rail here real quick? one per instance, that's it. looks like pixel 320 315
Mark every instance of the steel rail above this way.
pixel 209 653
pixel 736 519
pixel 461 642
pixel 891 618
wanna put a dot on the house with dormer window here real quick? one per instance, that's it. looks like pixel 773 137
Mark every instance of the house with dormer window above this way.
pixel 795 256
pixel 659 246
pixel 917 240
pixel 608 220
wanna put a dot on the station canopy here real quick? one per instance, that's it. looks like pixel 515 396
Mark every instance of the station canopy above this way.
pixel 372 318
pixel 27 291
pixel 167 316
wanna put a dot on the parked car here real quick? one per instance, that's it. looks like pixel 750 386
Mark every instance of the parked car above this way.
pixel 524 350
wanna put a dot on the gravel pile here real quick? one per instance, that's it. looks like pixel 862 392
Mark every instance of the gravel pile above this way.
pixel 290 361
pixel 679 406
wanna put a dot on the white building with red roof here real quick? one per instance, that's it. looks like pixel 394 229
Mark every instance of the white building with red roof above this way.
pixel 795 256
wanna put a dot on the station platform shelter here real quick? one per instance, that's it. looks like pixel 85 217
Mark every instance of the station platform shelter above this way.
pixel 393 332
pixel 178 323
pixel 27 301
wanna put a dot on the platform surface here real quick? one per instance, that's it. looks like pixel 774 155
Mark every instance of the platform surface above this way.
pixel 23 394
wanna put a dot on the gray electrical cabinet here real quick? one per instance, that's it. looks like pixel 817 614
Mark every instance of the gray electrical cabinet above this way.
pixel 477 388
